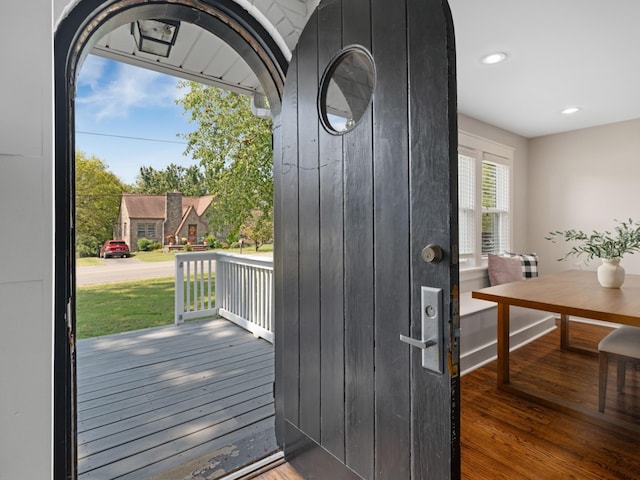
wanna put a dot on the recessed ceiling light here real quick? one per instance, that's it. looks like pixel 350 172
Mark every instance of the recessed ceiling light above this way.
pixel 494 58
pixel 570 110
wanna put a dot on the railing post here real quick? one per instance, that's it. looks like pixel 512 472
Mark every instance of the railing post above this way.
pixel 220 275
pixel 243 290
pixel 179 291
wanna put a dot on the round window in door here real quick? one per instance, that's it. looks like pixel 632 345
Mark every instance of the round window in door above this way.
pixel 346 89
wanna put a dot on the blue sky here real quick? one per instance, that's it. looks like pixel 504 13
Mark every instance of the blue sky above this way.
pixel 117 100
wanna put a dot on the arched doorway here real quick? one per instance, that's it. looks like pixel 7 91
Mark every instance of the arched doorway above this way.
pixel 75 35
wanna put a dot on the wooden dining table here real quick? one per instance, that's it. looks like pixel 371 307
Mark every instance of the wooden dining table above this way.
pixel 569 293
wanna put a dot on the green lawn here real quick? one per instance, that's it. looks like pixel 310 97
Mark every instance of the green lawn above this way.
pixel 154 256
pixel 121 307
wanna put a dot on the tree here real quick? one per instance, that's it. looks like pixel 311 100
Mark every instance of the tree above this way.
pixel 188 180
pixel 259 228
pixel 98 194
pixel 234 149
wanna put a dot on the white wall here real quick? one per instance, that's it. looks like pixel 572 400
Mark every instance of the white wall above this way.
pixel 26 212
pixel 583 179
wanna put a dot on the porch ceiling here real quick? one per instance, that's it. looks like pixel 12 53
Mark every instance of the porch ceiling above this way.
pixel 200 56
pixel 560 54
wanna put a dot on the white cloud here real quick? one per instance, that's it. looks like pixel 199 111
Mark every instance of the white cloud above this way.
pixel 117 88
pixel 92 71
pixel 180 93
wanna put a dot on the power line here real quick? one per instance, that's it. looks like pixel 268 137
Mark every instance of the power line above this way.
pixel 132 138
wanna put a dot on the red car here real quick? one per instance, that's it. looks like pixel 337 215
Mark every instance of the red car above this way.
pixel 114 248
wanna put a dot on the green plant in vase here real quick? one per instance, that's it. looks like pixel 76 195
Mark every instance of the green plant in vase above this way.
pixel 608 246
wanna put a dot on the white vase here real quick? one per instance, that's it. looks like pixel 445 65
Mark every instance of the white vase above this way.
pixel 610 273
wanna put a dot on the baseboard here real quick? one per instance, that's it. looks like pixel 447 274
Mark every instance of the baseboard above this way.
pixel 486 353
pixel 593 322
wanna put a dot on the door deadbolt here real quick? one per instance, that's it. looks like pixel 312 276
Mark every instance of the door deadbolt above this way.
pixel 432 253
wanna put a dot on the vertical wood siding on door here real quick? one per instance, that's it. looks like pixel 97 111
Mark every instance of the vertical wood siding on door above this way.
pixel 331 255
pixel 358 244
pixel 309 237
pixel 287 344
pixel 352 232
pixel 391 200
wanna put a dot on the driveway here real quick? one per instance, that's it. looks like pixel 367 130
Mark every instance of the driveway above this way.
pixel 122 270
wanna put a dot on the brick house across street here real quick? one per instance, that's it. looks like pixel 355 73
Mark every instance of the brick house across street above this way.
pixel 157 217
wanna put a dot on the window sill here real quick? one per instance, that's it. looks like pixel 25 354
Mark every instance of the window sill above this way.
pixel 473 273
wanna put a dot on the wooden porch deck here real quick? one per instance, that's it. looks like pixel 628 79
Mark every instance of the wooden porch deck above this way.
pixel 154 399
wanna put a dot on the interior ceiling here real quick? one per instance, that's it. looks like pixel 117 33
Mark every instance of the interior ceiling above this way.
pixel 560 53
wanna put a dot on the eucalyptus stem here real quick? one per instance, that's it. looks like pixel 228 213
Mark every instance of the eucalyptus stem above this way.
pixel 624 240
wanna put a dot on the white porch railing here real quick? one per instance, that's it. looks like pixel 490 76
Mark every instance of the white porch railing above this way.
pixel 243 289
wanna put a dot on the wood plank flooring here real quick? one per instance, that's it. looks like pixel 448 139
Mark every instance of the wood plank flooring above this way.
pixel 171 386
pixel 506 437
pixel 154 399
pixel 283 472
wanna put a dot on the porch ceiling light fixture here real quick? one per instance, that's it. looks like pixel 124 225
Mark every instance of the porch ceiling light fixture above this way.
pixel 155 36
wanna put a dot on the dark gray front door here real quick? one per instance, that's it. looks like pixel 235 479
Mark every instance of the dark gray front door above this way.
pixel 357 200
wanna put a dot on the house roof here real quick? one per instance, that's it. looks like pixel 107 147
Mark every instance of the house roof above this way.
pixel 145 206
pixel 155 206
pixel 185 216
pixel 199 204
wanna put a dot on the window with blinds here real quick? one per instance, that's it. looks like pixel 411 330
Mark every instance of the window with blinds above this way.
pixel 484 205
pixel 495 208
pixel 466 207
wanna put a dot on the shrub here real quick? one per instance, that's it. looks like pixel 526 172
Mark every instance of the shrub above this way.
pixel 188 248
pixel 233 237
pixel 144 244
pixel 224 245
pixel 212 242
pixel 88 245
pixel 86 251
pixel 155 246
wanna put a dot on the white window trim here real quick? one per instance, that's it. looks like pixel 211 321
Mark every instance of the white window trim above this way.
pixel 484 149
pixel 475 142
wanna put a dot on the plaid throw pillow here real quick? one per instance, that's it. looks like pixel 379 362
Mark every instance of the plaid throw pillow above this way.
pixel 529 263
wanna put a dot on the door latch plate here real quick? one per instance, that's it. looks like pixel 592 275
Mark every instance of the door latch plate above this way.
pixel 431 324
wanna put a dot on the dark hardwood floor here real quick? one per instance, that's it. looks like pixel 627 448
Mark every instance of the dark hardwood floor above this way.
pixel 505 437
